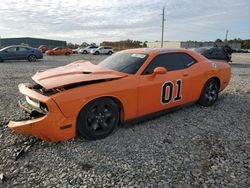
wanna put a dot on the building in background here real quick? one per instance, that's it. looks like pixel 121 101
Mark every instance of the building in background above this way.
pixel 32 42
pixel 190 44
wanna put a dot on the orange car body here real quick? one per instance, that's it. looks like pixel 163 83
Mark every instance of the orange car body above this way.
pixel 59 51
pixel 138 94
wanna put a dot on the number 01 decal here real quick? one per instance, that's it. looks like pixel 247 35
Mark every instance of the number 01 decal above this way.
pixel 167 92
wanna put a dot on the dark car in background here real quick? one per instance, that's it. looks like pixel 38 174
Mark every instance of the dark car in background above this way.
pixel 218 53
pixel 20 53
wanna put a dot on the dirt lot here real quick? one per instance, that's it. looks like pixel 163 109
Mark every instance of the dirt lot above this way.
pixel 194 146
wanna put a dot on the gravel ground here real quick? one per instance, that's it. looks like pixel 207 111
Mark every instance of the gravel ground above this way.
pixel 191 147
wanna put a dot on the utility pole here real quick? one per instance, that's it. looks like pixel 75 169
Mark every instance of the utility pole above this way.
pixel 162 27
pixel 226 36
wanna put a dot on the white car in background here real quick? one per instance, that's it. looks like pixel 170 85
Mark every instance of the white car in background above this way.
pixel 102 50
pixel 87 49
pixel 76 51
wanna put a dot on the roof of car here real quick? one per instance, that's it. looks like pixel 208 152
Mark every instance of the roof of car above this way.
pixel 19 46
pixel 157 51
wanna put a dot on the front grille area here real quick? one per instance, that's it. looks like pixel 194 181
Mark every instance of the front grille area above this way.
pixel 47 92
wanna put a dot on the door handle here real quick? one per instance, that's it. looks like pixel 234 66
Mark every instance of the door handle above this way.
pixel 185 75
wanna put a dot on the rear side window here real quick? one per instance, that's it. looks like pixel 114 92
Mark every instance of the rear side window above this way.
pixel 171 62
pixel 107 47
pixel 23 49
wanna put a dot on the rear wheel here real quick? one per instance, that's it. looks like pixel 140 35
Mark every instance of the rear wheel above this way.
pixel 98 119
pixel 209 93
pixel 67 53
pixel 32 58
pixel 110 52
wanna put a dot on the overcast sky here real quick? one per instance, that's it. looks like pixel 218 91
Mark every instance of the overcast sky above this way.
pixel 110 20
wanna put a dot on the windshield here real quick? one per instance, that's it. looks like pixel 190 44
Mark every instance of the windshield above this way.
pixel 124 62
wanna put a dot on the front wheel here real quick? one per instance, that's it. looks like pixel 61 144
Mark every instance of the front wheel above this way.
pixel 209 93
pixel 98 119
pixel 109 53
pixel 67 53
pixel 32 58
pixel 96 53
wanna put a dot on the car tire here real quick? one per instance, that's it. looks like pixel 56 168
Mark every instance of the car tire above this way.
pixel 98 119
pixel 84 52
pixel 32 58
pixel 96 53
pixel 110 52
pixel 67 53
pixel 209 93
pixel 51 53
pixel 1 60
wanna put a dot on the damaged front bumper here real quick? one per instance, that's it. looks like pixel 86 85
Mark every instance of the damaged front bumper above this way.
pixel 47 121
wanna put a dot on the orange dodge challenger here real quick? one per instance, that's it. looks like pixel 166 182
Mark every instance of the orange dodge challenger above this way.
pixel 91 100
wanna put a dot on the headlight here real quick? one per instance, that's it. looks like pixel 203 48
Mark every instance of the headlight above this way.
pixel 33 102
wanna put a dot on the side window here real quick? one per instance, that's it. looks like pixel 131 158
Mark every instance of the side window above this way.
pixel 171 62
pixel 23 49
pixel 12 49
pixel 186 60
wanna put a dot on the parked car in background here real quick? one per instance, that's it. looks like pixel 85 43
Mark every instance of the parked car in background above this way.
pixel 217 53
pixel 43 48
pixel 102 50
pixel 76 51
pixel 87 49
pixel 19 52
pixel 59 51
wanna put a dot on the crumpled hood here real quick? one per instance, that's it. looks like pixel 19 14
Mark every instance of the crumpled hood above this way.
pixel 76 72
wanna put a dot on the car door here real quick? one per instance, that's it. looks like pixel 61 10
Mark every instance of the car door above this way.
pixel 22 52
pixel 58 51
pixel 162 91
pixel 101 50
pixel 106 50
pixel 10 53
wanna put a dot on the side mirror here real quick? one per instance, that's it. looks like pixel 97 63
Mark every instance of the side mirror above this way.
pixel 160 70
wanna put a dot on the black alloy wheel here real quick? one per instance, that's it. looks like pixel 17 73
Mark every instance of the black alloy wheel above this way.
pixel 98 119
pixel 32 58
pixel 209 93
